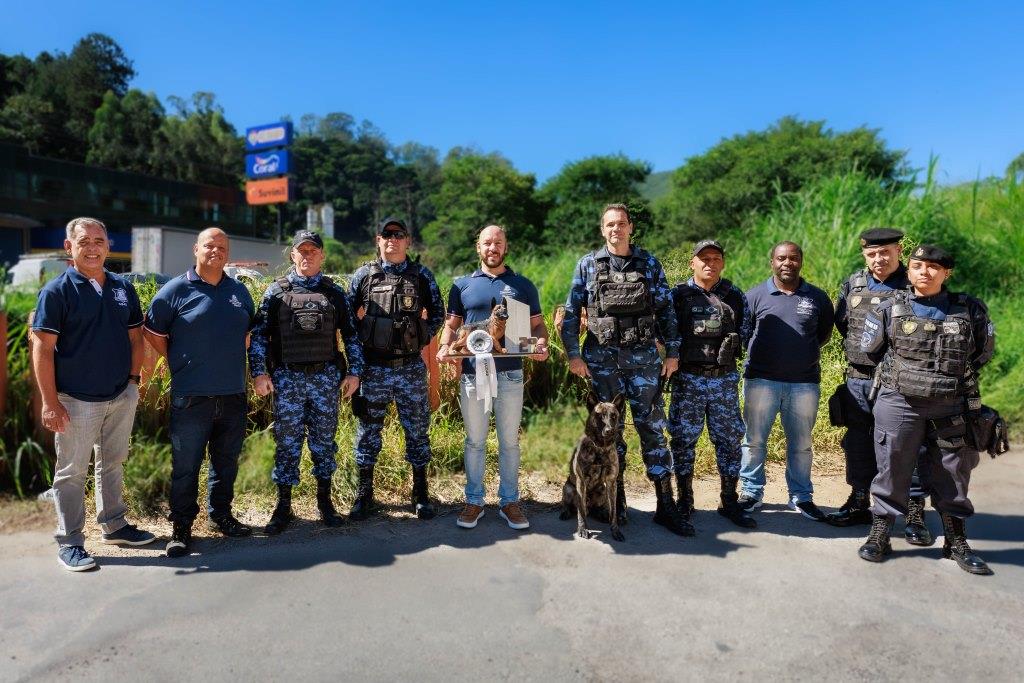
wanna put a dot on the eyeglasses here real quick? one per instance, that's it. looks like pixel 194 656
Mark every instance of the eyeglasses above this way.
pixel 395 235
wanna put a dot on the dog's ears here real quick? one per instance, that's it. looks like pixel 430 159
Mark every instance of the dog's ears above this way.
pixel 619 402
pixel 592 400
pixel 494 303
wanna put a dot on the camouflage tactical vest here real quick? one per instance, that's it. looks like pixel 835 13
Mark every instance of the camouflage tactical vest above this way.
pixel 306 324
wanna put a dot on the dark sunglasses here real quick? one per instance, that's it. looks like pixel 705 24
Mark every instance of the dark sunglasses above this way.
pixel 390 235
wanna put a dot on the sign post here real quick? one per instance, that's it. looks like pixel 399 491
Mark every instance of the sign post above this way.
pixel 267 166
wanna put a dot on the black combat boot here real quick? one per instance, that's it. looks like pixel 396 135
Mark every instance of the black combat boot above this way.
pixel 956 548
pixel 877 546
pixel 420 500
pixel 684 494
pixel 181 539
pixel 856 510
pixel 730 507
pixel 916 532
pixel 282 513
pixel 328 515
pixel 667 513
pixel 620 500
pixel 363 506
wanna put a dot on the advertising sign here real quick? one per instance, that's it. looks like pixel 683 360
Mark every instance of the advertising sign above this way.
pixel 264 164
pixel 273 191
pixel 267 136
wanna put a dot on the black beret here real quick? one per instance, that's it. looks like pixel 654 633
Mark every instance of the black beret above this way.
pixel 383 225
pixel 877 237
pixel 935 254
pixel 708 244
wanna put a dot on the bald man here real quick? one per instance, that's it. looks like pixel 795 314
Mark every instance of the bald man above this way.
pixel 199 322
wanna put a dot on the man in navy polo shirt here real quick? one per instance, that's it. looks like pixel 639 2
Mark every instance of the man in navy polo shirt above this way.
pixel 86 355
pixel 792 321
pixel 200 321
pixel 471 300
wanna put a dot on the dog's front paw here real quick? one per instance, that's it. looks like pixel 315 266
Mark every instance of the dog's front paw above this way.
pixel 583 533
pixel 617 535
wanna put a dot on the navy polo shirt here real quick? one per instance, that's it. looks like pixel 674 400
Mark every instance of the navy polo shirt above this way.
pixel 205 326
pixel 472 297
pixel 789 331
pixel 93 355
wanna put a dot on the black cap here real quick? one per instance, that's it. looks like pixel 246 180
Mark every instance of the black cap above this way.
pixel 389 221
pixel 935 254
pixel 303 236
pixel 708 244
pixel 879 237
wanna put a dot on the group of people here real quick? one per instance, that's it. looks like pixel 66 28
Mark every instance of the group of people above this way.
pixel 914 350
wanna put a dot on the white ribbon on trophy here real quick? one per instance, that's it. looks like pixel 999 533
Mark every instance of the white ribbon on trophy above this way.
pixel 480 344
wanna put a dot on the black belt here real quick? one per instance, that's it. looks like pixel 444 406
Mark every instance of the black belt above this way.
pixel 393 363
pixel 307 368
pixel 706 370
pixel 855 372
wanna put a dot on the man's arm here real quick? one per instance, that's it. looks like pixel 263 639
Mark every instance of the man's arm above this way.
pixel 157 341
pixel 826 319
pixel 539 329
pixel 840 310
pixel 55 416
pixel 984 335
pixel 138 349
pixel 435 309
pixel 665 311
pixel 570 332
pixel 452 323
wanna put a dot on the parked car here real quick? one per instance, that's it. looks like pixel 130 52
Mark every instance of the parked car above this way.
pixel 37 269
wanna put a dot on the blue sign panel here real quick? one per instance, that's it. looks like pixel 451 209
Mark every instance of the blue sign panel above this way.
pixel 266 164
pixel 270 135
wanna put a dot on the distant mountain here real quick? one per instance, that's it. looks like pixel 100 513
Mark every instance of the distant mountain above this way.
pixel 656 186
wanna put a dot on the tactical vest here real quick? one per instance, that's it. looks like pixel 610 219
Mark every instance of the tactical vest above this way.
pixel 707 326
pixel 930 358
pixel 306 324
pixel 622 310
pixel 393 325
pixel 859 302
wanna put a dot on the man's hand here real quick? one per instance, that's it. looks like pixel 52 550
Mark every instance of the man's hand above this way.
pixel 578 367
pixel 443 357
pixel 542 350
pixel 55 417
pixel 669 367
pixel 349 386
pixel 262 385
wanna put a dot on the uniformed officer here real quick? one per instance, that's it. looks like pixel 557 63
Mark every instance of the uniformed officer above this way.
pixel 400 310
pixel 294 353
pixel 628 305
pixel 930 343
pixel 714 326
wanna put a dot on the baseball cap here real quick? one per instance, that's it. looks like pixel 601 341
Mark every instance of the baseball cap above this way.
pixel 391 222
pixel 708 244
pixel 307 236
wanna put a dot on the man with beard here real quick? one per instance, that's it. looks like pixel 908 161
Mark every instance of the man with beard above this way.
pixel 629 308
pixel 792 321
pixel 471 300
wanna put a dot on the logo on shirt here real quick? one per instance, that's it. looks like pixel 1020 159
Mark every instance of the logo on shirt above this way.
pixel 508 292
pixel 805 306
pixel 121 296
pixel 234 301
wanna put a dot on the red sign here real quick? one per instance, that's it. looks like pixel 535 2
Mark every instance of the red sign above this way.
pixel 267 191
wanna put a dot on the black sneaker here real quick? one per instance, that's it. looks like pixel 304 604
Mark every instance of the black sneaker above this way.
pixel 808 509
pixel 181 539
pixel 748 502
pixel 229 526
pixel 129 534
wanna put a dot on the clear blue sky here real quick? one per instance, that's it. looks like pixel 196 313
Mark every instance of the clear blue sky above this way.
pixel 545 83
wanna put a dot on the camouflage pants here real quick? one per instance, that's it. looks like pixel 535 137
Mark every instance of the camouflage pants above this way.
pixel 407 387
pixel 643 394
pixel 716 400
pixel 305 407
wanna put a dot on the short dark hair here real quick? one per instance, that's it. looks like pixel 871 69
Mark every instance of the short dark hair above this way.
pixel 616 207
pixel 786 243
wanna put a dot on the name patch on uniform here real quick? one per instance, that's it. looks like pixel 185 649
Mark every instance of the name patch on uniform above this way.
pixel 950 327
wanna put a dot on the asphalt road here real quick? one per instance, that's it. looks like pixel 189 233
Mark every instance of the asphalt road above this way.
pixel 428 601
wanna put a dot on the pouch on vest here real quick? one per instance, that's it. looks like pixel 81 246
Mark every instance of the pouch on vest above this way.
pixel 729 349
pixel 603 329
pixel 623 298
pixel 646 329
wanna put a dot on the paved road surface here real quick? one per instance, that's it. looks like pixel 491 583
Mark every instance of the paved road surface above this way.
pixel 427 601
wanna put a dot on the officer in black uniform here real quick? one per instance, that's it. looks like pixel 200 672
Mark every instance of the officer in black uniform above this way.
pixel 930 343
pixel 883 277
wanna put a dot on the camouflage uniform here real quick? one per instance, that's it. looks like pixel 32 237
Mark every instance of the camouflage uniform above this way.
pixel 405 384
pixel 697 397
pixel 305 403
pixel 635 370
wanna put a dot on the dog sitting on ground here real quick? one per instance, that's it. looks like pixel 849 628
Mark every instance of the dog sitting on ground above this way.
pixel 494 325
pixel 594 467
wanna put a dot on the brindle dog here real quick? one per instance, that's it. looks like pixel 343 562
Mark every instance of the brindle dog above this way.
pixel 495 326
pixel 594 467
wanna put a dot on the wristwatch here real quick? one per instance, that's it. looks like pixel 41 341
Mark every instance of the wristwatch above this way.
pixel 135 378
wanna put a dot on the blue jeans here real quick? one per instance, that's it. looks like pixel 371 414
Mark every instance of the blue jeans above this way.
pixel 198 422
pixel 508 412
pixel 798 403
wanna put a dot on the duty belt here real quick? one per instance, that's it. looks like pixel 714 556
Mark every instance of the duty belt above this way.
pixel 307 368
pixel 705 370
pixel 855 372
pixel 392 363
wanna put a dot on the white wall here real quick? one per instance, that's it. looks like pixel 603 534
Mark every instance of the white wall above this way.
pixel 169 250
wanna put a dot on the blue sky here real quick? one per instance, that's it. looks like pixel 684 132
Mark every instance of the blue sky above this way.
pixel 546 83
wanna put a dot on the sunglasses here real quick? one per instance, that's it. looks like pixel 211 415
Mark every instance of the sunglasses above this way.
pixel 395 235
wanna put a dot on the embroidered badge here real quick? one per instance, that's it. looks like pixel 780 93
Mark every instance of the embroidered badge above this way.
pixel 875 301
pixel 929 327
pixel 909 326
pixel 234 301
pixel 121 297
pixel 855 301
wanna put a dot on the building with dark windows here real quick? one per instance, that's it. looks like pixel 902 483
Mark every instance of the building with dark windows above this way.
pixel 38 196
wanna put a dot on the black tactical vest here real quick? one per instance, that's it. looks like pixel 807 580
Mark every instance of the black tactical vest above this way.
pixel 306 324
pixel 707 326
pixel 930 358
pixel 393 325
pixel 859 302
pixel 622 310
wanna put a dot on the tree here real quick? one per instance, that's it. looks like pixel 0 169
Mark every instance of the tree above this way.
pixel 720 189
pixel 126 133
pixel 22 121
pixel 411 183
pixel 199 145
pixel 574 198
pixel 478 190
pixel 1016 167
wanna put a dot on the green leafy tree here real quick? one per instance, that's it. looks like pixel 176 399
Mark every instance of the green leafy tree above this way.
pixel 741 176
pixel 477 190
pixel 200 146
pixel 574 198
pixel 1016 167
pixel 23 121
pixel 126 133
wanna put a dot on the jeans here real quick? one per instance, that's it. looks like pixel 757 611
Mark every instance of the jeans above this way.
pixel 198 422
pixel 508 411
pixel 798 404
pixel 103 427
